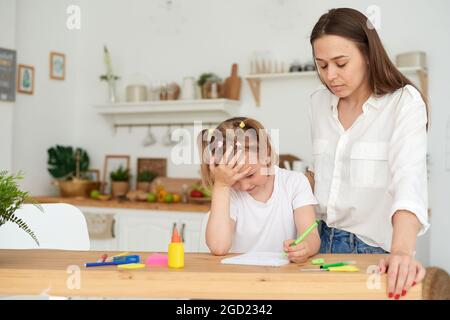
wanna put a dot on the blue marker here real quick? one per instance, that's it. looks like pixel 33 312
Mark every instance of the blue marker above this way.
pixel 99 264
pixel 127 259
pixel 116 261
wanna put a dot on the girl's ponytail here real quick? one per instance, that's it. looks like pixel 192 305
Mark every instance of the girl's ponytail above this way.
pixel 205 156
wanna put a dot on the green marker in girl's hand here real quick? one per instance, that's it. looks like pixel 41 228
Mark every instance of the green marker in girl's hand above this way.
pixel 304 235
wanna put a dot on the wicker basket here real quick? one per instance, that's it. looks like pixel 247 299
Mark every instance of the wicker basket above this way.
pixel 77 187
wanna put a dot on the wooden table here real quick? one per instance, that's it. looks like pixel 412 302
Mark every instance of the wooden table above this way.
pixel 32 272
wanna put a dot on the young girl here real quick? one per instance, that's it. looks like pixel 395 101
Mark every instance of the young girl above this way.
pixel 256 206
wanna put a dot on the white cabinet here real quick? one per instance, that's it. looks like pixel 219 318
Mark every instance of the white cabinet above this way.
pixel 149 230
pixel 194 231
pixel 145 231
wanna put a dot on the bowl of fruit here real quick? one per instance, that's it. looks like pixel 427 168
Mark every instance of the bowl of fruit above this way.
pixel 97 195
pixel 200 194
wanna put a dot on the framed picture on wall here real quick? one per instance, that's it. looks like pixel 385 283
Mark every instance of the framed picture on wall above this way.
pixel 7 75
pixel 92 174
pixel 112 163
pixel 157 165
pixel 25 79
pixel 57 66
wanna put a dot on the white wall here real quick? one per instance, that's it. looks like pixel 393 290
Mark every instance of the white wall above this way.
pixel 145 38
pixel 197 36
pixel 7 41
pixel 46 117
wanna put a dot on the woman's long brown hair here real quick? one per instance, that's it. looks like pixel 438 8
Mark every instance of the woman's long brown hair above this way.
pixel 383 76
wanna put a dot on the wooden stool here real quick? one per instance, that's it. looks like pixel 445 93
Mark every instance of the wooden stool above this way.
pixel 436 285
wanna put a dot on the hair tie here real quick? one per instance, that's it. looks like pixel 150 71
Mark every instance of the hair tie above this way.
pixel 209 134
pixel 242 125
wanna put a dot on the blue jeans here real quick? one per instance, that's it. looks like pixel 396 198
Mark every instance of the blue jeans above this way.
pixel 333 240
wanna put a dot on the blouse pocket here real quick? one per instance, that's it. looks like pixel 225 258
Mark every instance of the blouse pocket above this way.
pixel 369 164
pixel 319 146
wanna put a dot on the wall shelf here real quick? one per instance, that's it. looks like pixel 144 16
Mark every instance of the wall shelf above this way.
pixel 169 112
pixel 254 80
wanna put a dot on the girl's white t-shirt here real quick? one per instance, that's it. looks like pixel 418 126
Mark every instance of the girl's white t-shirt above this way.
pixel 264 226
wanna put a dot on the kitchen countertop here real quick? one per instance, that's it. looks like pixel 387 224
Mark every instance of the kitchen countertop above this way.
pixel 32 272
pixel 125 204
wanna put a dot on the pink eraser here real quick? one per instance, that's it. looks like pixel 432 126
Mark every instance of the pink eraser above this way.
pixel 157 259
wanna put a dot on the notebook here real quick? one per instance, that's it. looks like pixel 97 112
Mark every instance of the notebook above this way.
pixel 270 259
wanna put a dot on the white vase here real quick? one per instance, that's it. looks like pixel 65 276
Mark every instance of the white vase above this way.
pixel 112 97
pixel 189 90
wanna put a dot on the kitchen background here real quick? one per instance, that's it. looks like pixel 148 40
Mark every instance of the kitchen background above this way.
pixel 167 40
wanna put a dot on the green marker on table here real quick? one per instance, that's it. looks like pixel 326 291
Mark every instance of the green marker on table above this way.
pixel 304 235
pixel 337 264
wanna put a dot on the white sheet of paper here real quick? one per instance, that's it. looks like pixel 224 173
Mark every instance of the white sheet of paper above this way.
pixel 270 259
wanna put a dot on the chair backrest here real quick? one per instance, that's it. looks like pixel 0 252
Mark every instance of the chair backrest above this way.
pixel 436 285
pixel 60 226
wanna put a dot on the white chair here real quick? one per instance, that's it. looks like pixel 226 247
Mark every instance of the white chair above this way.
pixel 60 226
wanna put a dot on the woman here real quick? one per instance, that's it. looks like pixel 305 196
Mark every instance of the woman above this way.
pixel 369 127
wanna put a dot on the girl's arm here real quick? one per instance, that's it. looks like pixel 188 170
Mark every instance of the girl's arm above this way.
pixel 310 176
pixel 304 217
pixel 220 227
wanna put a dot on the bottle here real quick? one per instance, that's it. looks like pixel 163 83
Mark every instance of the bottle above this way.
pixel 214 90
pixel 233 84
pixel 188 91
pixel 295 66
pixel 176 251
pixel 184 193
pixel 310 66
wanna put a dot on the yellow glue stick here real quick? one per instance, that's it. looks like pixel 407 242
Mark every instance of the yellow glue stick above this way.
pixel 176 251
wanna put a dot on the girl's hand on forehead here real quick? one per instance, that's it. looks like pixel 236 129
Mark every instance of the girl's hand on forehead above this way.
pixel 227 173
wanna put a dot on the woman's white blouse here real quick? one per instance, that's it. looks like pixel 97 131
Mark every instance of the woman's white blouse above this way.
pixel 364 174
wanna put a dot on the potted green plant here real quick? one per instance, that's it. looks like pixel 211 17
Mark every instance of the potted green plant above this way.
pixel 144 180
pixel 120 182
pixel 11 199
pixel 66 164
pixel 206 81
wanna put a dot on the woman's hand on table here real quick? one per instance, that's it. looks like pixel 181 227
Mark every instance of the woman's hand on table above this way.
pixel 403 272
